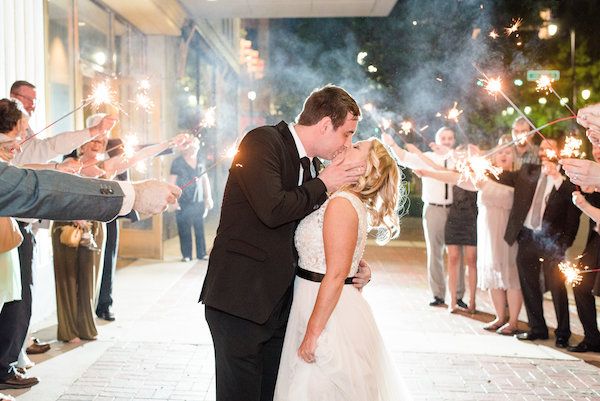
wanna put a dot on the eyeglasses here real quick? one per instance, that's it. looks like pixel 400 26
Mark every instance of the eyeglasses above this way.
pixel 31 99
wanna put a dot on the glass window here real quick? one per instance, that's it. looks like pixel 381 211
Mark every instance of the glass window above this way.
pixel 94 30
pixel 61 71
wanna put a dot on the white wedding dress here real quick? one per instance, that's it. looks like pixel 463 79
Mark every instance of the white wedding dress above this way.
pixel 352 363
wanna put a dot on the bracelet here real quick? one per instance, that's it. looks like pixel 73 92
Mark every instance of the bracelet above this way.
pixel 55 166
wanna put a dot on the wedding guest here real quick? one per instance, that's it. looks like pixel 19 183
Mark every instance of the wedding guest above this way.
pixel 437 199
pixel 526 150
pixel 496 260
pixel 544 222
pixel 195 201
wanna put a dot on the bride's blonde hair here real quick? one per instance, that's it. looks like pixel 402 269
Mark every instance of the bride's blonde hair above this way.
pixel 379 189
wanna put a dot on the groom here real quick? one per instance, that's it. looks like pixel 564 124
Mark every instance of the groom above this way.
pixel 249 284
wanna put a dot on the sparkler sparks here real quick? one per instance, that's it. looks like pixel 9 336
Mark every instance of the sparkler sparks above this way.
pixel 231 152
pixel 493 85
pixel 368 107
pixel 544 83
pixel 130 143
pixel 386 123
pixel 571 272
pixel 514 27
pixel 453 113
pixel 406 127
pixel 210 118
pixel 572 148
pixel 493 34
pixel 102 94
pixel 144 85
pixel 143 101
pixel 476 169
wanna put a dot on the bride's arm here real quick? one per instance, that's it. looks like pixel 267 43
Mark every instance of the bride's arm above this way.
pixel 340 227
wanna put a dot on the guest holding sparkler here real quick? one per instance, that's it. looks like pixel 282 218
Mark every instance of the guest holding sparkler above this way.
pixel 437 198
pixel 496 260
pixel 544 222
pixel 583 292
pixel 195 201
pixel 526 150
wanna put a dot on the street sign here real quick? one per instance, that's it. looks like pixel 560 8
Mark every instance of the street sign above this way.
pixel 534 75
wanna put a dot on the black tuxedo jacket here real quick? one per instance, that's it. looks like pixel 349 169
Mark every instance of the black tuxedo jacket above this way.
pixel 253 260
pixel 561 218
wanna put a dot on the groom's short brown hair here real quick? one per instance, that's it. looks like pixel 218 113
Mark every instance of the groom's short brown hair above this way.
pixel 329 101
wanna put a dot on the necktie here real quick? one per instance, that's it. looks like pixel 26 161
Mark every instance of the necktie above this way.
pixel 446 185
pixel 536 211
pixel 305 163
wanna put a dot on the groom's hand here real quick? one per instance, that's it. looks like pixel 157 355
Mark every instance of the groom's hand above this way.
pixel 340 173
pixel 363 276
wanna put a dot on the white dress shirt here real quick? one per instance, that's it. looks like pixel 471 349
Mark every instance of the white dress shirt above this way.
pixel 36 150
pixel 301 153
pixel 550 183
pixel 433 191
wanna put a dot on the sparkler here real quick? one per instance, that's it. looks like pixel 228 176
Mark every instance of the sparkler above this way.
pixel 572 148
pixel 453 113
pixel 101 94
pixel 210 118
pixel 514 27
pixel 406 126
pixel 571 272
pixel 493 34
pixel 525 135
pixel 544 83
pixel 476 169
pixel 130 143
pixel 144 102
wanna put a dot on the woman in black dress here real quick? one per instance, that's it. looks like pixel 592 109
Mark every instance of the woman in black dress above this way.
pixel 461 235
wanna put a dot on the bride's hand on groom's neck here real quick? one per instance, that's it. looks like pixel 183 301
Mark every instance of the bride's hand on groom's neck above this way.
pixel 340 173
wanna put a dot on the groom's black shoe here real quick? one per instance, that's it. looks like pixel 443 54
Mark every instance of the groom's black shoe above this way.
pixel 436 302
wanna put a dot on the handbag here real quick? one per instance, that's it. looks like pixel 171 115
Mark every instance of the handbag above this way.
pixel 70 236
pixel 10 235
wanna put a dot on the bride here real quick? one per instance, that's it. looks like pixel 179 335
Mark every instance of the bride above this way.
pixel 332 349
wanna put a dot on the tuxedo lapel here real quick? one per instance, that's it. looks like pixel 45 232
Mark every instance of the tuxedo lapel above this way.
pixel 292 173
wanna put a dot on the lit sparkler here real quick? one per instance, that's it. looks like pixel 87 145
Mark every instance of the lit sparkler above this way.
pixel 572 148
pixel 453 113
pixel 493 34
pixel 130 143
pixel 368 107
pixel 210 118
pixel 144 85
pixel 143 101
pixel 386 123
pixel 231 152
pixel 476 169
pixel 551 154
pixel 544 83
pixel 571 272
pixel 102 94
pixel 514 27
pixel 141 167
pixel 406 126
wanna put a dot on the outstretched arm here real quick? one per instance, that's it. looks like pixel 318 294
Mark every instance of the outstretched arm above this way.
pixel 449 177
pixel 340 226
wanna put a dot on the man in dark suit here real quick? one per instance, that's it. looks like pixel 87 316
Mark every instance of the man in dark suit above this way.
pixel 544 222
pixel 248 286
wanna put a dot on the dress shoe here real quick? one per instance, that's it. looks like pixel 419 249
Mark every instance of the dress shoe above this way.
pixel 529 336
pixel 37 347
pixel 584 347
pixel 436 302
pixel 17 380
pixel 562 342
pixel 462 304
pixel 107 315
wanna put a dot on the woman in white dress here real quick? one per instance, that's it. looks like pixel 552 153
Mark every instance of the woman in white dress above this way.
pixel 332 349
pixel 496 260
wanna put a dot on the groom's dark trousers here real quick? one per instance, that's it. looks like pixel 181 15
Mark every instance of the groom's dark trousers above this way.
pixel 248 286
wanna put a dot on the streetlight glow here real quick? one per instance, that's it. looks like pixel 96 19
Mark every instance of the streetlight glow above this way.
pixel 252 96
pixel 586 93
pixel 527 110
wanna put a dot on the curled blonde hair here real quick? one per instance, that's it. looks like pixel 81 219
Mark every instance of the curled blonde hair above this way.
pixel 380 190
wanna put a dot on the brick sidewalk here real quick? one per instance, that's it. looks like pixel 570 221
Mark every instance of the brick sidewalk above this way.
pixel 163 352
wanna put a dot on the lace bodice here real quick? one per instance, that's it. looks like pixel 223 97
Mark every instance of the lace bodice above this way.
pixel 309 236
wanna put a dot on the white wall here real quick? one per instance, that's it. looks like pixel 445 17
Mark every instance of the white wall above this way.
pixel 22 45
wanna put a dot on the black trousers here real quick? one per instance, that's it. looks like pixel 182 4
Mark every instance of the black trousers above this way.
pixel 111 248
pixel 15 315
pixel 191 216
pixel 531 249
pixel 247 354
pixel 586 308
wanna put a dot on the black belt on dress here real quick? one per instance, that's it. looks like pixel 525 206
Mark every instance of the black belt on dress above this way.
pixel 437 205
pixel 316 277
